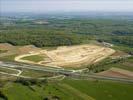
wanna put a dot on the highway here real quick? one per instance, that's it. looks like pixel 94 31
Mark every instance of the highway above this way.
pixel 99 77
pixel 68 73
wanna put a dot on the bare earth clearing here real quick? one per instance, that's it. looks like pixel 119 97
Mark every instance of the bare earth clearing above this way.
pixel 69 55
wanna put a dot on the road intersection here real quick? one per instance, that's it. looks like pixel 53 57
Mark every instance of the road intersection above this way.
pixel 75 74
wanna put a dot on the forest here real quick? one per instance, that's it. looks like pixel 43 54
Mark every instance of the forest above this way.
pixel 58 32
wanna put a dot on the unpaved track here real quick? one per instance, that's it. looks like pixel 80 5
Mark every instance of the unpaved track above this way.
pixel 70 55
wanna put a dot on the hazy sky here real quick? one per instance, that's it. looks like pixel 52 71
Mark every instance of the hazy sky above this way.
pixel 65 5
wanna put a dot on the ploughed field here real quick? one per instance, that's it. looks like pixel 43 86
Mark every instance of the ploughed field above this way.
pixel 117 72
pixel 67 55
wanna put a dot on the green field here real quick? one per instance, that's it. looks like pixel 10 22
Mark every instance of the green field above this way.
pixel 10 71
pixel 36 74
pixel 34 58
pixel 123 63
pixel 70 90
pixel 127 64
pixel 8 58
pixel 102 90
pixel 123 48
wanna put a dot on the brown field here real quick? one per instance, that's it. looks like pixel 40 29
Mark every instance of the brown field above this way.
pixel 117 72
pixel 6 46
pixel 10 49
pixel 28 48
pixel 69 55
pixel 119 54
pixel 16 50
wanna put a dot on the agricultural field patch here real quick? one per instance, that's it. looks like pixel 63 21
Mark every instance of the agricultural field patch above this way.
pixel 70 90
pixel 106 64
pixel 117 72
pixel 36 74
pixel 8 57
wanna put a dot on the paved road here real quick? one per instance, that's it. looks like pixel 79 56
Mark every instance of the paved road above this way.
pixel 93 76
pixel 69 73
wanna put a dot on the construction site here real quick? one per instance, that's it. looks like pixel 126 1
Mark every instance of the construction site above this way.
pixel 67 55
